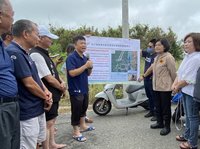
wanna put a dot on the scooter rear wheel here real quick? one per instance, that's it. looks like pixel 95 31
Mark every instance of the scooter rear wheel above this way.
pixel 101 106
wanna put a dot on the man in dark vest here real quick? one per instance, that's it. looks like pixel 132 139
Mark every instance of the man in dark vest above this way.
pixel 49 76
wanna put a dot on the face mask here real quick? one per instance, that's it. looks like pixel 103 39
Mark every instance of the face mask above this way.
pixel 150 50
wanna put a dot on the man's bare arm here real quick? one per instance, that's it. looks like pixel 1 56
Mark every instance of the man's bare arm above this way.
pixel 54 82
pixel 34 88
pixel 78 71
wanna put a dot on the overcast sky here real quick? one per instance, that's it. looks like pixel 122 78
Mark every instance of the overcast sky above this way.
pixel 183 16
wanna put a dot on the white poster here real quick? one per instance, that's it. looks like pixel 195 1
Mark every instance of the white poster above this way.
pixel 115 60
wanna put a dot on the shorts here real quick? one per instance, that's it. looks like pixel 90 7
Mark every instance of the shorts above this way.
pixel 33 131
pixel 79 105
pixel 53 112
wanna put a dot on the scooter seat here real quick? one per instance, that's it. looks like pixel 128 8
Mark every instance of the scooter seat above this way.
pixel 132 88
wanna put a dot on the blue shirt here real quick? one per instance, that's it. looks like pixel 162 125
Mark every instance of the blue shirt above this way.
pixel 78 84
pixel 8 83
pixel 149 59
pixel 30 105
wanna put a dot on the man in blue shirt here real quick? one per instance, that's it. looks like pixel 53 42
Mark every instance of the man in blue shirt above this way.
pixel 78 70
pixel 9 107
pixel 33 95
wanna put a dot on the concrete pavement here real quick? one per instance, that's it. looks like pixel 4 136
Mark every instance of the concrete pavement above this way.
pixel 118 131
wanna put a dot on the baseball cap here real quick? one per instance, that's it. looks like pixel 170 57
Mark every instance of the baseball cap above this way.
pixel 44 31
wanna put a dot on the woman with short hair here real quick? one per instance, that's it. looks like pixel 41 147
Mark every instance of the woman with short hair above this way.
pixel 185 81
pixel 164 74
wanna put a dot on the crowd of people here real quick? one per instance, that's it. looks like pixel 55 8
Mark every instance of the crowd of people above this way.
pixel 31 88
pixel 161 73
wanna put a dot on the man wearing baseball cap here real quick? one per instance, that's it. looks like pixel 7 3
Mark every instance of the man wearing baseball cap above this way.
pixel 49 76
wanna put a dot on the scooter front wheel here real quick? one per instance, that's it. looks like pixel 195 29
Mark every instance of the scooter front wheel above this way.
pixel 101 106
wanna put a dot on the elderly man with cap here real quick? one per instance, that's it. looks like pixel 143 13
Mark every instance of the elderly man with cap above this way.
pixel 49 76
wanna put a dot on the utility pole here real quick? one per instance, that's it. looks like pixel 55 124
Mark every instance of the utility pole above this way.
pixel 125 22
pixel 125 29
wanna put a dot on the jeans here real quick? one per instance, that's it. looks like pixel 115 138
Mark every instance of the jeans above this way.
pixel 150 94
pixel 191 109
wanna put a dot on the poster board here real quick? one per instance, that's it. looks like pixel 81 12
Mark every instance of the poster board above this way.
pixel 115 60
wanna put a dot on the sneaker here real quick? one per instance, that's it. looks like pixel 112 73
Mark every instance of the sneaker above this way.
pixel 150 114
pixel 153 118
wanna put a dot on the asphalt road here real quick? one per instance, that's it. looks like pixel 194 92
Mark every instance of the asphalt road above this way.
pixel 118 131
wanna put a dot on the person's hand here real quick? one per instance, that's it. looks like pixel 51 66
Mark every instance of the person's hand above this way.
pixel 140 79
pixel 63 85
pixel 175 89
pixel 64 94
pixel 48 101
pixel 59 60
pixel 48 104
pixel 48 94
pixel 89 64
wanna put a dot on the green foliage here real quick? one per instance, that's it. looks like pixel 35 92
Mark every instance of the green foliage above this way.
pixel 94 89
pixel 56 48
pixel 139 31
pixel 145 34
pixel 111 32
pixel 66 35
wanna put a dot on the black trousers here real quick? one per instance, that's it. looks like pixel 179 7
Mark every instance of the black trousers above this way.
pixel 150 94
pixel 163 107
pixel 9 125
pixel 79 105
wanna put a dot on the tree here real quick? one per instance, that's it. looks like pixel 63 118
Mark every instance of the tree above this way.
pixel 139 31
pixel 145 34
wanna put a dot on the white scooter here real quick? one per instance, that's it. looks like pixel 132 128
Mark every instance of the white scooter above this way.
pixel 136 96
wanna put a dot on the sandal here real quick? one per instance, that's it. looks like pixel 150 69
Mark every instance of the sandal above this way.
pixel 80 138
pixel 90 128
pixel 180 138
pixel 186 145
